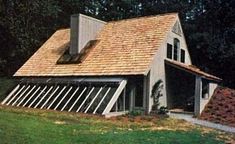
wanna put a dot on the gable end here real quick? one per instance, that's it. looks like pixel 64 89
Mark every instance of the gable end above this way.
pixel 177 29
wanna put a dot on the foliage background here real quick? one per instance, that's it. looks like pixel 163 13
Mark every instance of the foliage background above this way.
pixel 209 27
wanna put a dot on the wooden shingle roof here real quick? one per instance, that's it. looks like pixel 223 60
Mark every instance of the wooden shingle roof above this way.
pixel 126 47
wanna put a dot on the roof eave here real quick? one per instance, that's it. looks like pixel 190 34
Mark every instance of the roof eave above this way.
pixel 212 78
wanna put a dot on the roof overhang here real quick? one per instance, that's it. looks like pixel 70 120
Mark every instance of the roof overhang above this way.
pixel 193 70
pixel 71 79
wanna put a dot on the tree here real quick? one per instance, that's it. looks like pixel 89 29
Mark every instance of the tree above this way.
pixel 208 26
pixel 211 35
pixel 26 25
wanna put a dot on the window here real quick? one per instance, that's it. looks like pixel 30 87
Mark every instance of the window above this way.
pixel 169 51
pixel 182 57
pixel 67 58
pixel 205 89
pixel 176 48
pixel 139 93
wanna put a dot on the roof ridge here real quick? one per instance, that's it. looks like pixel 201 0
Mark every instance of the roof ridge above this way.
pixel 129 19
pixel 142 17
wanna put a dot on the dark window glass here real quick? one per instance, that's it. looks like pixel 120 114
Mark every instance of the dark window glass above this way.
pixel 169 51
pixel 205 89
pixel 67 58
pixel 176 48
pixel 182 57
pixel 139 93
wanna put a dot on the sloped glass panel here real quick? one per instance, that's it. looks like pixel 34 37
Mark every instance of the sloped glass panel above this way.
pixel 106 100
pixel 86 97
pixel 97 100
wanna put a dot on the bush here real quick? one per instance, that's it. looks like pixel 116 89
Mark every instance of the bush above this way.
pixel 135 113
pixel 163 110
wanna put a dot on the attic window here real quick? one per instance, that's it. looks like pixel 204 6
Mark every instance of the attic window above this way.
pixel 67 58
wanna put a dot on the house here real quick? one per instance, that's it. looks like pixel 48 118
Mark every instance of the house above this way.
pixel 110 68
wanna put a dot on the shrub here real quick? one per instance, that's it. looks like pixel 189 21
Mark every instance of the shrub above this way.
pixel 135 113
pixel 163 110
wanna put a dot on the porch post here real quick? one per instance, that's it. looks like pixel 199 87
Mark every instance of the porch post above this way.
pixel 197 95
pixel 145 95
pixel 132 98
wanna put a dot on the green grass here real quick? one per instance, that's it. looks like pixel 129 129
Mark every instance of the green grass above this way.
pixel 33 126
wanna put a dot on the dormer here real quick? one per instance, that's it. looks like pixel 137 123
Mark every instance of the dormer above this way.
pixel 83 31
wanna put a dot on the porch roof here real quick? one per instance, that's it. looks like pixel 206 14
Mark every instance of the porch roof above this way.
pixel 192 69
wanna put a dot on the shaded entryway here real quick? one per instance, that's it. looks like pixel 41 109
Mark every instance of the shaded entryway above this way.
pixel 180 89
pixel 188 88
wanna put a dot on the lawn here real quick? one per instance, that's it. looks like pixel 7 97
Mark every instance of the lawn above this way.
pixel 36 126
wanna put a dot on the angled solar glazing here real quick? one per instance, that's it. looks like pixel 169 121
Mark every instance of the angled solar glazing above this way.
pixel 86 97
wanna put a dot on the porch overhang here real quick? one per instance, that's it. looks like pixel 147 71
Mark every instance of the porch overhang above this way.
pixel 193 70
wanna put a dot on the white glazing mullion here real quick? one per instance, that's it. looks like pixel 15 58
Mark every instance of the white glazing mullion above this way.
pixel 101 100
pixel 16 95
pixel 63 97
pixel 77 99
pixel 93 99
pixel 32 96
pixel 85 99
pixel 37 97
pixel 11 94
pixel 26 95
pixel 43 97
pixel 21 95
pixel 50 97
pixel 115 97
pixel 70 99
pixel 56 97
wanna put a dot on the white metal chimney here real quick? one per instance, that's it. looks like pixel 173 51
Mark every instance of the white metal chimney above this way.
pixel 83 29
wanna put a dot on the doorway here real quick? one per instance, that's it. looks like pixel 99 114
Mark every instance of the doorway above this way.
pixel 180 89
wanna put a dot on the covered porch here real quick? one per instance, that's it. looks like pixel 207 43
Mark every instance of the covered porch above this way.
pixel 188 89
